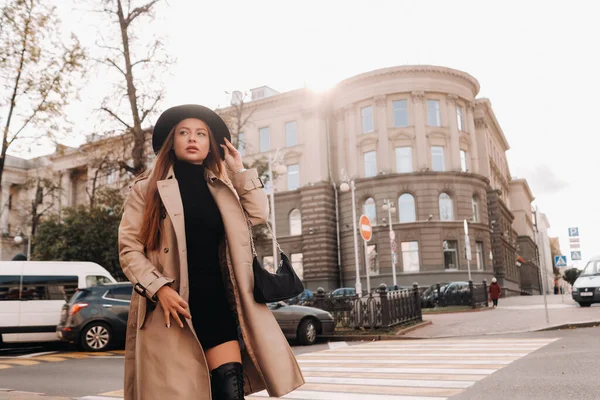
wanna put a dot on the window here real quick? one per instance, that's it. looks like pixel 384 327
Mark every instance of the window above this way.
pixel 404 160
pixel 293 176
pixel 370 210
pixel 95 280
pixel 479 255
pixel 450 254
pixel 295 222
pixel 460 119
pixel 265 140
pixel 410 256
pixel 10 197
pixel 367 119
pixel 400 108
pixel 463 161
pixel 373 259
pixel 241 145
pixel 406 205
pixel 475 204
pixel 9 287
pixel 370 164
pixel 298 265
pixel 446 207
pixel 268 264
pixel 437 158
pixel 120 293
pixel 48 287
pixel 433 113
pixel 291 134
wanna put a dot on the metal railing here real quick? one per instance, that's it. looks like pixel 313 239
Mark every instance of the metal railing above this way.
pixel 474 296
pixel 382 309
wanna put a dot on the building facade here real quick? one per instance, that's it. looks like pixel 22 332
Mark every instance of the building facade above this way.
pixel 415 138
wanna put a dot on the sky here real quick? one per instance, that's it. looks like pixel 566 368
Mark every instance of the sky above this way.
pixel 537 61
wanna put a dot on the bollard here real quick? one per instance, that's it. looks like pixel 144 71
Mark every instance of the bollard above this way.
pixel 419 313
pixel 320 298
pixel 485 293
pixel 472 292
pixel 438 298
pixel 385 305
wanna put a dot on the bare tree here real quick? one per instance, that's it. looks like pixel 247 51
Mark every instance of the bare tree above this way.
pixel 137 64
pixel 37 70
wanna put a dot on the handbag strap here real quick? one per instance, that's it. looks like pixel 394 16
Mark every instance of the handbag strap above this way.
pixel 252 239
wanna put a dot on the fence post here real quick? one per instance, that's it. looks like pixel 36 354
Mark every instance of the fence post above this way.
pixel 417 298
pixel 485 292
pixel 320 298
pixel 438 298
pixel 472 292
pixel 385 306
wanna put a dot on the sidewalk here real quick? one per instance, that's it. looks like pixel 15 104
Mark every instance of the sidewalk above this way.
pixel 514 314
pixel 6 394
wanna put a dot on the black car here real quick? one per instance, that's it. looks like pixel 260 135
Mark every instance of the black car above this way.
pixel 95 318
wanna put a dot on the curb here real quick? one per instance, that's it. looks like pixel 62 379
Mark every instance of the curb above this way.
pixel 480 309
pixel 573 325
pixel 372 338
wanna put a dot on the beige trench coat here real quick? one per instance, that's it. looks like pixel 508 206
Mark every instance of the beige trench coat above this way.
pixel 168 363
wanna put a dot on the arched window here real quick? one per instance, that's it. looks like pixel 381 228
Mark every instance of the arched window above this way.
pixel 295 222
pixel 370 210
pixel 406 208
pixel 446 207
pixel 475 203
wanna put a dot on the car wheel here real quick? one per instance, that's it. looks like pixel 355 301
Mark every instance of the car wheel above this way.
pixel 585 304
pixel 307 332
pixel 97 336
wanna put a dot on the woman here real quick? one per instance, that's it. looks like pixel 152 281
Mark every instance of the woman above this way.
pixel 194 330
pixel 495 291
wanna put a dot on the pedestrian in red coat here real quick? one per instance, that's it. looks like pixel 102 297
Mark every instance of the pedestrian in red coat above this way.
pixel 495 291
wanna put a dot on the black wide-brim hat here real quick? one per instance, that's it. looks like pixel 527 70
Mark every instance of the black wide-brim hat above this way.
pixel 174 115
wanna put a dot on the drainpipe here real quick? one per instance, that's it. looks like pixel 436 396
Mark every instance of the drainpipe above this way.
pixel 337 209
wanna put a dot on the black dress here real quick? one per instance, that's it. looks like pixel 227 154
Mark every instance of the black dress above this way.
pixel 212 317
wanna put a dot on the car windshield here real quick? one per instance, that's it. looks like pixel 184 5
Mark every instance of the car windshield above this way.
pixel 593 268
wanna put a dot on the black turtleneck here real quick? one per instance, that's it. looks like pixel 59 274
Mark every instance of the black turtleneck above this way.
pixel 203 228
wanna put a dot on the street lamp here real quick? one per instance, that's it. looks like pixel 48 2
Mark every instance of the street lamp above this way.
pixel 388 206
pixel 279 169
pixel 345 187
pixel 19 239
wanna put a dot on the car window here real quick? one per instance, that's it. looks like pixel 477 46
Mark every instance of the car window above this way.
pixel 95 280
pixel 120 293
pixel 9 287
pixel 48 287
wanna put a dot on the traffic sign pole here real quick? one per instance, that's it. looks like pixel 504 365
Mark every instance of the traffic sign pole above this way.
pixel 366 232
pixel 367 266
pixel 467 248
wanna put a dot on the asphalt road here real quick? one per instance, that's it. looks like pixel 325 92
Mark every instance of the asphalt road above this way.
pixel 86 375
pixel 565 369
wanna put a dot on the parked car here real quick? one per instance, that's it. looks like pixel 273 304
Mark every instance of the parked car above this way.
pixel 586 289
pixel 429 297
pixel 302 298
pixel 32 294
pixel 304 324
pixel 346 291
pixel 95 318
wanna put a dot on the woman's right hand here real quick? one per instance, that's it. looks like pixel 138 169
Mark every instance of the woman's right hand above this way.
pixel 172 305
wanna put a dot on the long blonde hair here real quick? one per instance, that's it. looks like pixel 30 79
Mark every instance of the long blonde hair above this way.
pixel 150 233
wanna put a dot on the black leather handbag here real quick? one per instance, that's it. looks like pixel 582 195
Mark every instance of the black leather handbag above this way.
pixel 282 285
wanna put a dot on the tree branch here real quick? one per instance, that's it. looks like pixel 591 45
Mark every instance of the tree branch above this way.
pixel 149 110
pixel 111 62
pixel 139 11
pixel 108 110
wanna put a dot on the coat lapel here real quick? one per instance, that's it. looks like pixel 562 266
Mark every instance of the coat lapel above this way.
pixel 171 199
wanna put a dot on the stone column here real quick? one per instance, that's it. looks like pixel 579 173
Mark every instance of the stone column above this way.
pixel 454 139
pixel 421 153
pixel 383 156
pixel 474 150
pixel 4 213
pixel 339 144
pixel 350 126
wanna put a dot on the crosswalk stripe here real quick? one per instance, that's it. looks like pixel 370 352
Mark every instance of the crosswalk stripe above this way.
pixel 450 371
pixel 48 358
pixel 312 395
pixel 419 356
pixel 391 382
pixel 4 366
pixel 500 363
pixel 20 362
pixel 383 375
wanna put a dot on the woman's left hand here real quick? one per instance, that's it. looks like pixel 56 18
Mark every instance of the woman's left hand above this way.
pixel 233 158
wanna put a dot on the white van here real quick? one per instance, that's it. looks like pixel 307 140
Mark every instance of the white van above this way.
pixel 586 289
pixel 32 294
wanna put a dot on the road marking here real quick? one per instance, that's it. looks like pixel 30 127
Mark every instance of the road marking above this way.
pixel 20 362
pixel 3 366
pixel 48 358
pixel 43 353
pixel 398 370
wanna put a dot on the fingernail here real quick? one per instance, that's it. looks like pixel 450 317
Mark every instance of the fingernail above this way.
pixel 168 326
